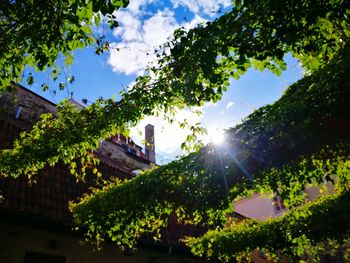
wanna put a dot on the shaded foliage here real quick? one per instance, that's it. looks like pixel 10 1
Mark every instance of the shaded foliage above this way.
pixel 125 211
pixel 316 228
pixel 195 187
pixel 193 68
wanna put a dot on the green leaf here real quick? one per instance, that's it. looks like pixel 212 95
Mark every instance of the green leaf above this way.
pixel 44 87
pixel 62 85
pixel 97 19
pixel 30 80
pixel 70 78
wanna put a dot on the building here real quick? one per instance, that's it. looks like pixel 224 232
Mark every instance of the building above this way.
pixel 259 207
pixel 263 207
pixel 35 222
pixel 124 149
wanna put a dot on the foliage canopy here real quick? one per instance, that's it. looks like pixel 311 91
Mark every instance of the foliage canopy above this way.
pixel 193 68
pixel 299 140
pixel 36 33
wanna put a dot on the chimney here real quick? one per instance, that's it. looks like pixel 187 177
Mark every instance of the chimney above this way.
pixel 150 147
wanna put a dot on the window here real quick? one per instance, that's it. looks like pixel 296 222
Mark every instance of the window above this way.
pixel 278 205
pixel 33 257
pixel 132 151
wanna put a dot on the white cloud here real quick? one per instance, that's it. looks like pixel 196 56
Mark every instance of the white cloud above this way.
pixel 135 5
pixel 194 22
pixel 159 27
pixel 209 7
pixel 229 105
pixel 129 27
pixel 210 104
pixel 138 40
pixel 139 37
pixel 128 60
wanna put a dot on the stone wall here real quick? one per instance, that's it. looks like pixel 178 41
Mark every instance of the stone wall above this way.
pixel 32 105
pixel 114 151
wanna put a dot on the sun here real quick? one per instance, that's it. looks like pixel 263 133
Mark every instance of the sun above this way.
pixel 216 136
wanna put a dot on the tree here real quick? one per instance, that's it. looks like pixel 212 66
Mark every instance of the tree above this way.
pixel 36 33
pixel 193 73
pixel 193 68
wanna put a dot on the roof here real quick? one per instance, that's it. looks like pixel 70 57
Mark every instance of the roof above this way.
pixel 52 188
pixel 47 197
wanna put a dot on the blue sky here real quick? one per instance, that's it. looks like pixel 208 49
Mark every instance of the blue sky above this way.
pixel 144 25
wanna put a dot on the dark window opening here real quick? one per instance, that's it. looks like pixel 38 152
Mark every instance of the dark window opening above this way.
pixel 32 257
pixel 132 151
pixel 278 204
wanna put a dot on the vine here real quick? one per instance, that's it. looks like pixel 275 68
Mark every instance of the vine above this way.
pixel 310 230
pixel 312 114
pixel 188 75
pixel 194 187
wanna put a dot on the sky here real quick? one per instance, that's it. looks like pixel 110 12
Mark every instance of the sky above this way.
pixel 144 25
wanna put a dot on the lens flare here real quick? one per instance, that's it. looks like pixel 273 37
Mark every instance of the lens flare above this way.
pixel 217 136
